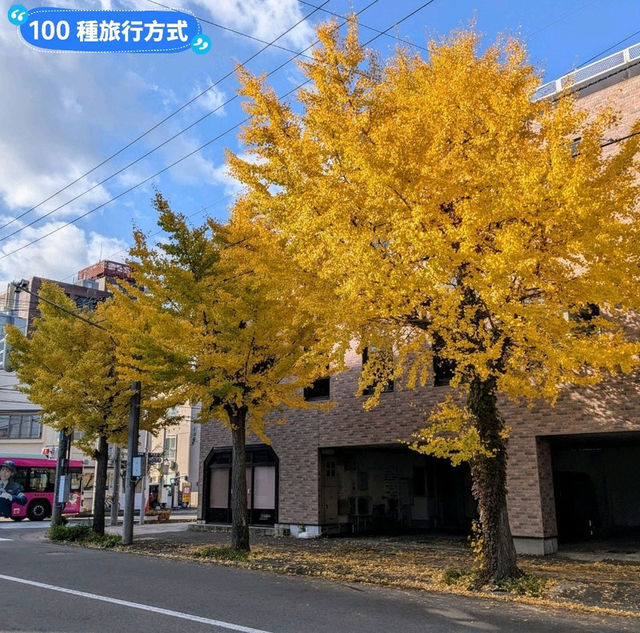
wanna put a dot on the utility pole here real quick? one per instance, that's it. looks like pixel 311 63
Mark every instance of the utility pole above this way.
pixel 132 454
pixel 61 486
pixel 145 477
pixel 115 488
pixel 161 487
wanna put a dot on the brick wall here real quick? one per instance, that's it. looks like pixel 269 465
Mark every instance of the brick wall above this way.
pixel 607 408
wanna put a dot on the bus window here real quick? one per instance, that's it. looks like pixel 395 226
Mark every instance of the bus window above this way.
pixel 42 479
pixel 20 477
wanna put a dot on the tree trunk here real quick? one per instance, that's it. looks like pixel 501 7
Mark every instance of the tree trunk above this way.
pixel 239 506
pixel 102 457
pixel 489 475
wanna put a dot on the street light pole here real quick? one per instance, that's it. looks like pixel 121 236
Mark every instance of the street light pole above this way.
pixel 115 495
pixel 145 477
pixel 62 468
pixel 132 452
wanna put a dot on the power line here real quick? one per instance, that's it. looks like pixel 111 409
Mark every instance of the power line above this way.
pixel 154 149
pixel 284 48
pixel 227 28
pixel 164 120
pixel 201 147
pixel 165 142
pixel 561 17
pixel 606 50
pixel 369 28
pixel 611 141
pixel 187 216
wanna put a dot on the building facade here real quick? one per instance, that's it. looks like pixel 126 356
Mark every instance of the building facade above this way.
pixel 572 470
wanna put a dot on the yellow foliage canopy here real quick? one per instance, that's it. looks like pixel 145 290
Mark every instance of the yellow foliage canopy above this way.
pixel 215 318
pixel 68 367
pixel 440 200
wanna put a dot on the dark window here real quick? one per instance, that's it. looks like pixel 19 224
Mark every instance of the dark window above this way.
pixel 371 388
pixel 42 479
pixel 330 468
pixel 443 368
pixel 319 390
pixel 20 477
pixel 575 144
pixel 261 486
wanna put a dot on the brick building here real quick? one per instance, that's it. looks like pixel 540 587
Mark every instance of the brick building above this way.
pixel 573 468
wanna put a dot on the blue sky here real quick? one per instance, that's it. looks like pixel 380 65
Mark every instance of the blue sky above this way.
pixel 65 113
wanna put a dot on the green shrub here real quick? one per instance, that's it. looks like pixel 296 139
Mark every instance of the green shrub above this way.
pixel 221 553
pixel 68 533
pixel 82 534
pixel 451 576
pixel 533 586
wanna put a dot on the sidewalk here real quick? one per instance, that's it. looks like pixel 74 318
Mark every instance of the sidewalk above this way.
pixel 180 515
pixel 598 580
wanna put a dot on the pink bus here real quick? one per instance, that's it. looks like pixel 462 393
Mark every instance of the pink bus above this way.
pixel 26 486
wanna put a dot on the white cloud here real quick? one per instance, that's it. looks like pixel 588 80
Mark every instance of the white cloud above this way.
pixel 64 118
pixel 59 256
pixel 212 99
pixel 265 19
pixel 230 185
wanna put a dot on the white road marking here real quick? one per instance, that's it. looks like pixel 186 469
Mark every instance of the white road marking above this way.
pixel 135 605
pixel 5 539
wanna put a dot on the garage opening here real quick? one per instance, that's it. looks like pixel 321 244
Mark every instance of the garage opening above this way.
pixel 392 489
pixel 597 486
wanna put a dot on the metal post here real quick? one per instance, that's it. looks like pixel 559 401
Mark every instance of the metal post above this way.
pixel 145 477
pixel 95 482
pixel 115 489
pixel 132 451
pixel 161 486
pixel 62 468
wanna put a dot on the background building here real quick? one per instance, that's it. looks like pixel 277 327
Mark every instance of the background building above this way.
pixel 21 430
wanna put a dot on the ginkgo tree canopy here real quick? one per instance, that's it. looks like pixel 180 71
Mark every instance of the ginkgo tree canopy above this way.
pixel 419 184
pixel 459 222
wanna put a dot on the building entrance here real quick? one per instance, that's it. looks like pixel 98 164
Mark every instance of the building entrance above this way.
pixel 262 482
pixel 596 486
pixel 392 489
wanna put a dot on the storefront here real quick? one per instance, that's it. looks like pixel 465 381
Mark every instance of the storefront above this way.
pixel 262 485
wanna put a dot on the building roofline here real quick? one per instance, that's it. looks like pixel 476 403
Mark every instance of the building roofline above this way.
pixel 600 74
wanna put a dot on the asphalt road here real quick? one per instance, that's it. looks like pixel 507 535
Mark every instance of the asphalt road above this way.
pixel 62 589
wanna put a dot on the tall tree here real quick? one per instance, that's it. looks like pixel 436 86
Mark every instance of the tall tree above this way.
pixel 460 223
pixel 215 319
pixel 68 367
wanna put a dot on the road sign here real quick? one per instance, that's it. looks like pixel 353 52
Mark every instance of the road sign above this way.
pixel 155 458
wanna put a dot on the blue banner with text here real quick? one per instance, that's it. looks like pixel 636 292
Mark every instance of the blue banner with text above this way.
pixel 58 29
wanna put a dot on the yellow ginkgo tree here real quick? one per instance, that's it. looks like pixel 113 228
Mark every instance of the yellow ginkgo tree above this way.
pixel 460 222
pixel 68 366
pixel 216 318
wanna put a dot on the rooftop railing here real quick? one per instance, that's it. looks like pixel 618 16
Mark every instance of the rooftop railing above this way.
pixel 601 67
